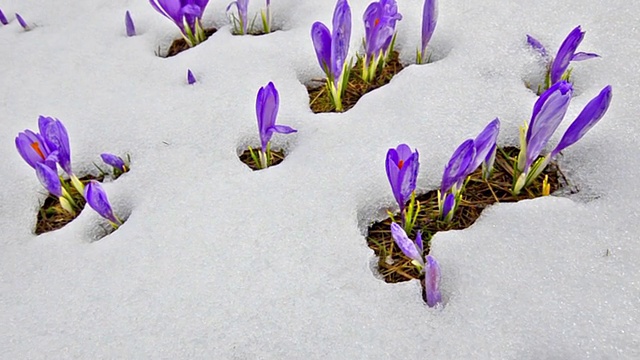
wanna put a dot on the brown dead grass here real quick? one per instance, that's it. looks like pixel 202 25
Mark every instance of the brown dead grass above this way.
pixel 277 157
pixel 320 101
pixel 180 45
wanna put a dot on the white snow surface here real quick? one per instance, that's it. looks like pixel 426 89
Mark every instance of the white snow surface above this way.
pixel 216 261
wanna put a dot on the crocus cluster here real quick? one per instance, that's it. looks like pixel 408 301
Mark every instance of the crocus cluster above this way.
pixel 428 265
pixel 332 48
pixel 470 155
pixel 429 21
pixel 44 152
pixel 187 15
pixel 548 112
pixel 402 167
pixel 128 24
pixel 267 104
pixel 380 19
pixel 558 66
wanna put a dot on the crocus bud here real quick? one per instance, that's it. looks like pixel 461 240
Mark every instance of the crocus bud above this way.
pixel 3 19
pixel 97 198
pixel 128 22
pixel 432 282
pixel 22 22
pixel 191 79
pixel 115 161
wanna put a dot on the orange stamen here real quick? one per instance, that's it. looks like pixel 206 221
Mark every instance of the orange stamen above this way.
pixel 376 22
pixel 400 164
pixel 36 146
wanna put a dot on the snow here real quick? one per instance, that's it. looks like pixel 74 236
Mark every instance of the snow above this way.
pixel 217 261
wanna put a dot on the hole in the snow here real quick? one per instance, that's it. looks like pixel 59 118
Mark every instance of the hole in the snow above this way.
pixel 180 45
pixel 394 266
pixel 277 156
pixel 320 101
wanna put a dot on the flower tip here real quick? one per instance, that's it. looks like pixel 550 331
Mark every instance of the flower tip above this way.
pixel 191 79
pixel 130 27
pixel 22 22
pixel 3 19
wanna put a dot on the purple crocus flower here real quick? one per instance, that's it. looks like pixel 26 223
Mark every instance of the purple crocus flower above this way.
pixel 128 22
pixel 485 145
pixel 115 161
pixel 566 54
pixel 56 139
pixel 588 117
pixel 243 19
pixel 34 150
pixel 3 19
pixel 379 23
pixel 457 168
pixel 267 104
pixel 537 45
pixel 432 281
pixel 429 21
pixel 22 22
pixel 402 167
pixel 49 179
pixel 413 250
pixel 97 198
pixel 332 47
pixel 191 79
pixel 548 112
pixel 186 14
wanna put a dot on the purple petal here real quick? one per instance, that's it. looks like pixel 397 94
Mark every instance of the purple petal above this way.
pixel 419 241
pixel 581 56
pixel 588 117
pixel 128 22
pixel 537 45
pixel 405 244
pixel 456 169
pixel 549 111
pixel 283 129
pixel 97 198
pixel 267 104
pixel 171 9
pixel 3 19
pixel 22 22
pixel 448 204
pixel 113 160
pixel 565 54
pixel 56 138
pixel 191 79
pixel 432 281
pixel 379 23
pixel 484 143
pixel 31 147
pixel 340 37
pixel 321 38
pixel 429 21
pixel 49 179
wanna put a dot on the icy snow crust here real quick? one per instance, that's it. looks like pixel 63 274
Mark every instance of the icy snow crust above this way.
pixel 217 261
